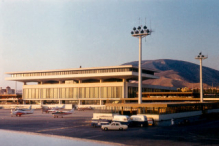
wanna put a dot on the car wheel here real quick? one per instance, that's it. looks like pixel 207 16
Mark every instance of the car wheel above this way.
pixel 105 129
pixel 120 129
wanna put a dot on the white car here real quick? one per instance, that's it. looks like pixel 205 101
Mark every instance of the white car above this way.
pixel 114 126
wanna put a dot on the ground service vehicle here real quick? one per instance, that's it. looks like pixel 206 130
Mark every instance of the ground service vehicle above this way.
pixel 139 120
pixel 123 119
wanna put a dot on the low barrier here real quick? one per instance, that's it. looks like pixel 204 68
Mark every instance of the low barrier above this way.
pixel 34 106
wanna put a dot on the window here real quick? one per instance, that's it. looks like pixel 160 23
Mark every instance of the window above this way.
pixel 75 93
pixel 55 95
pixel 67 93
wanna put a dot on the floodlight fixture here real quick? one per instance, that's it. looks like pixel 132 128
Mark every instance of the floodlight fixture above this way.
pixel 140 33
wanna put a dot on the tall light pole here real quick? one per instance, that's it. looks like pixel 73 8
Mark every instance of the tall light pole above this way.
pixel 140 33
pixel 201 57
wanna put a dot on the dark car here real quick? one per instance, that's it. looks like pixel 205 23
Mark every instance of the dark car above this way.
pixel 99 123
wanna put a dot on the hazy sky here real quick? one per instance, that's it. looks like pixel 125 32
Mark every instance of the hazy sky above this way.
pixel 59 34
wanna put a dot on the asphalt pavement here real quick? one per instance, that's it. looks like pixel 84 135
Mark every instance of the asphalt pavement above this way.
pixel 77 125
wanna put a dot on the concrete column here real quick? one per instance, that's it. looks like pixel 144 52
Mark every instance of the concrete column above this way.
pixel 100 92
pixel 131 111
pixel 79 81
pixel 39 93
pixel 101 80
pixel 78 93
pixel 60 82
pixel 126 88
pixel 123 90
pixel 139 110
pixel 201 86
pixel 139 72
pixel 101 102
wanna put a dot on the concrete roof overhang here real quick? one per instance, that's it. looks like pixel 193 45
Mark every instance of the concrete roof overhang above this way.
pixel 119 75
pixel 81 69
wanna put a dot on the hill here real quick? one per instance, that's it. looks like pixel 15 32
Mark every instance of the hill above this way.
pixel 176 73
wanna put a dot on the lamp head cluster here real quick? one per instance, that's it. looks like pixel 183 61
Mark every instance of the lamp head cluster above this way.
pixel 200 56
pixel 141 31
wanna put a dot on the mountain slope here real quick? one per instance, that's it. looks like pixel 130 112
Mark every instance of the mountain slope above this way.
pixel 175 73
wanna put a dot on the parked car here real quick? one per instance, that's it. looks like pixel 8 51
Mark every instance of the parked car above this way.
pixel 99 123
pixel 114 126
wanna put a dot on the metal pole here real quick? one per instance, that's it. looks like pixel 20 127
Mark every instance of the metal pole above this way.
pixel 139 72
pixel 201 57
pixel 140 32
pixel 201 90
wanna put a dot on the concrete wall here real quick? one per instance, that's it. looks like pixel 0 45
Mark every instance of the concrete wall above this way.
pixel 161 117
pixel 213 111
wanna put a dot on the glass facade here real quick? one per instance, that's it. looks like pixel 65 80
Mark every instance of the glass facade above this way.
pixel 72 93
pixel 90 102
pixel 132 91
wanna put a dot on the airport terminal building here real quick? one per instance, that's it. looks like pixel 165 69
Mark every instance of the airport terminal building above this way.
pixel 83 86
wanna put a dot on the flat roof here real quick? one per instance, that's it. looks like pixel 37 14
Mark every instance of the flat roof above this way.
pixel 90 68
pixel 160 104
pixel 120 72
pixel 167 93
pixel 119 75
pixel 162 99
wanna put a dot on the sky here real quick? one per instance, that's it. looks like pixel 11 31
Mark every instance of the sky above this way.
pixel 63 34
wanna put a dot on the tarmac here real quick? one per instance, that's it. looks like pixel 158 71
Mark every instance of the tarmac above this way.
pixel 77 125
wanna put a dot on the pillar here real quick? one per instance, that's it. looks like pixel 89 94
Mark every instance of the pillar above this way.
pixel 131 111
pixel 139 72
